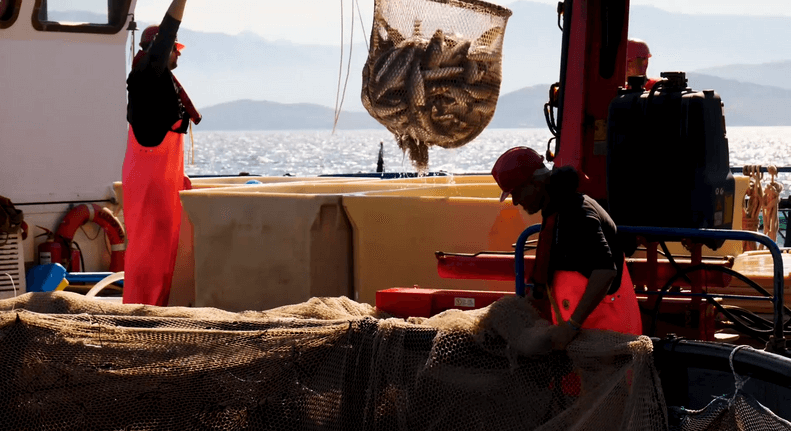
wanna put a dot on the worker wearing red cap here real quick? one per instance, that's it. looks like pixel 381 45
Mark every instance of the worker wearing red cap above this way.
pixel 159 113
pixel 637 55
pixel 578 258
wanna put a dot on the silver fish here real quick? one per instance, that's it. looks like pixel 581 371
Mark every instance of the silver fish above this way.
pixel 484 56
pixel 396 75
pixel 442 73
pixel 415 87
pixel 433 54
pixel 461 96
pixel 390 65
pixel 455 56
pixel 471 72
pixel 389 111
pixel 480 92
pixel 378 66
pixel 491 37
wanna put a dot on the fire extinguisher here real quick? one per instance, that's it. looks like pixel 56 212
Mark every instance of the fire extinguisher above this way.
pixel 75 258
pixel 49 251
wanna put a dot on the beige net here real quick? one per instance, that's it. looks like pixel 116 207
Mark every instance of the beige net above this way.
pixel 71 363
pixel 742 412
pixel 433 71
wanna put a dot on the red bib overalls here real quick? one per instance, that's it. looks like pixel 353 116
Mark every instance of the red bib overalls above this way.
pixel 617 312
pixel 152 179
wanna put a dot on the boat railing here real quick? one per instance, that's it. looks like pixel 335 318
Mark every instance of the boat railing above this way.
pixel 776 343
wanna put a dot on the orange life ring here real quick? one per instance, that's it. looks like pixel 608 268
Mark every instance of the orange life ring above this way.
pixel 84 213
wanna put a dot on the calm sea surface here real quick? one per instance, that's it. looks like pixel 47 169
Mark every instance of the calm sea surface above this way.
pixel 310 153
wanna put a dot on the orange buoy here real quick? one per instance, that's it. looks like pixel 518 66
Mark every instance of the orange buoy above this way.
pixel 85 213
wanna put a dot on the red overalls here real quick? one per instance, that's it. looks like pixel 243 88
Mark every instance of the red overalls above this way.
pixel 617 312
pixel 152 179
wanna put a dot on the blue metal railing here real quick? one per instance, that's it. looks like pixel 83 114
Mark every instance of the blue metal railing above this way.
pixel 519 264
pixel 90 277
pixel 679 234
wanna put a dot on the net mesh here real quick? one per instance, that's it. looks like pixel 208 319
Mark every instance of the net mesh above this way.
pixel 739 413
pixel 330 363
pixel 433 71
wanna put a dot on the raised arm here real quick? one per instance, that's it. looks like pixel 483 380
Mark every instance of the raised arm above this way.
pixel 176 9
pixel 160 51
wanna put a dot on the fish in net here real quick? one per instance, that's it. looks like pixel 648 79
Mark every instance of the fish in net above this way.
pixel 433 72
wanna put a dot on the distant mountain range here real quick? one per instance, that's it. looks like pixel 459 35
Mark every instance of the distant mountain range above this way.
pixel 744 58
pixel 777 74
pixel 218 68
pixel 746 104
pixel 737 56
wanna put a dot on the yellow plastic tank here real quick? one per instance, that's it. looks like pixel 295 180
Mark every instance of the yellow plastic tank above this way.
pixel 241 181
pixel 216 182
pixel 448 179
pixel 263 246
pixel 396 234
pixel 323 187
pixel 468 190
pixel 758 266
pixel 729 248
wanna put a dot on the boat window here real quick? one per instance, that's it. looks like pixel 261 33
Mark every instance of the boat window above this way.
pixel 9 11
pixel 81 16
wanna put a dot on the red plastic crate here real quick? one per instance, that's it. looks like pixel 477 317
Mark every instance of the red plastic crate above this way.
pixel 420 302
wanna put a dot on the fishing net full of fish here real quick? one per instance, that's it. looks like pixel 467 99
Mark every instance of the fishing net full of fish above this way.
pixel 70 363
pixel 433 71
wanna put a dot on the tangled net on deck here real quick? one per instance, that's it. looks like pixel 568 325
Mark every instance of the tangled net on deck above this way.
pixel 433 71
pixel 330 363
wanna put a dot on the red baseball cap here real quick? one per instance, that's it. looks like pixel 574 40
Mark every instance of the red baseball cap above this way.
pixel 515 167
pixel 150 33
pixel 636 48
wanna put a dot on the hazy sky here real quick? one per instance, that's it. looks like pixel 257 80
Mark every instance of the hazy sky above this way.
pixel 318 21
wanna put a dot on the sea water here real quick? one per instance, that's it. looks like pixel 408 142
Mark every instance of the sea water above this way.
pixel 322 152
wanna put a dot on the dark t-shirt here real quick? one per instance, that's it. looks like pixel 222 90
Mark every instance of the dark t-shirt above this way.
pixel 585 238
pixel 153 103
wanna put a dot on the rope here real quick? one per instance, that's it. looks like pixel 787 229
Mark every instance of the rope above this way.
pixel 339 106
pixel 192 147
pixel 362 25
pixel 340 73
pixel 751 203
pixel 739 380
pixel 769 205
pixel 132 28
pixel 85 232
pixel 13 285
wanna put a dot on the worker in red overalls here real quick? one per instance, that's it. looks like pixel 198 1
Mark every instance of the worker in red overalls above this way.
pixel 578 258
pixel 159 113
pixel 637 55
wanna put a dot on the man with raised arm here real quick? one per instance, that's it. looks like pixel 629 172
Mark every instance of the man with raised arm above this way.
pixel 159 113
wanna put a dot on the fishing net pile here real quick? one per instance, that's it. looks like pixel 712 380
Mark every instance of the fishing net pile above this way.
pixel 433 71
pixel 742 412
pixel 330 363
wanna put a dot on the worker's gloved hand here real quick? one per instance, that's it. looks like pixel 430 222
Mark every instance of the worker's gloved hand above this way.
pixel 561 335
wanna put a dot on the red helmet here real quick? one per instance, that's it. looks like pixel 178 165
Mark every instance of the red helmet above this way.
pixel 515 167
pixel 636 48
pixel 149 34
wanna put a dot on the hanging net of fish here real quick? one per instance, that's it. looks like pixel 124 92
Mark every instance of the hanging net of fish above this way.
pixel 70 363
pixel 433 71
